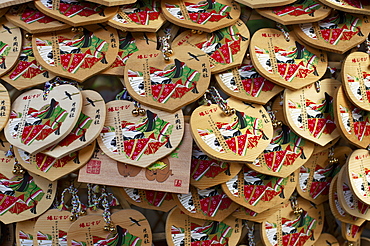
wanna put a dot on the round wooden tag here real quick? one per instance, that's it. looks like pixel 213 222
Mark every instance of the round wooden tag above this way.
pixel 149 199
pixel 211 203
pixel 24 232
pixel 303 11
pixel 10 45
pixel 182 229
pixel 168 86
pixel 360 7
pixel 256 4
pixel 347 198
pixel 353 122
pixel 337 210
pixel 129 43
pixel 4 106
pixel 285 228
pixel 206 16
pixel 29 18
pixel 52 168
pixel 140 140
pixel 247 214
pixel 132 228
pixel 36 124
pixel 259 192
pixel 310 113
pixel 240 138
pixel 356 79
pixel 27 71
pixel 287 63
pixel 246 84
pixel 326 239
pixel 225 48
pixel 81 54
pixel 359 174
pixel 51 228
pixel 337 33
pixel 76 12
pixel 317 173
pixel 87 129
pixel 285 153
pixel 23 196
pixel 207 172
pixel 352 233
pixel 143 16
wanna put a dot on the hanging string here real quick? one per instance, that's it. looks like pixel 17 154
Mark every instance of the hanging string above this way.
pixel 250 234
pixel 92 199
pixel 50 85
pixel 166 48
pixel 103 199
pixel 77 207
pixel 216 97
pixel 284 30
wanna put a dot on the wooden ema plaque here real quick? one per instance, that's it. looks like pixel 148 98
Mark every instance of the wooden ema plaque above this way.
pixel 326 239
pixel 37 124
pixel 357 7
pixel 4 106
pixel 259 192
pixel 51 228
pixel 8 3
pixel 347 199
pixel 204 16
pixel 139 17
pixel 29 18
pixel 296 13
pixel 149 199
pixel 132 228
pixel 168 86
pixel 27 71
pixel 285 228
pixel 112 2
pixel 76 13
pixel 52 168
pixel 317 173
pixel 358 165
pixel 356 79
pixel 77 55
pixel 247 214
pixel 225 48
pixel 353 122
pixel 87 129
pixel 210 130
pixel 182 229
pixel 206 171
pixel 246 84
pixel 168 174
pixel 256 4
pixel 209 204
pixel 337 33
pixel 319 148
pixel 352 233
pixel 24 232
pixel 10 45
pixel 337 210
pixel 130 43
pixel 285 153
pixel 290 64
pixel 24 196
pixel 310 113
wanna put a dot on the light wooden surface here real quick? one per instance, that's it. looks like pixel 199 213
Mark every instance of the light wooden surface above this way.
pixel 169 174
pixel 91 123
pixel 98 46
pixel 223 57
pixel 224 18
pixel 296 13
pixel 304 66
pixel 52 10
pixel 25 73
pixel 181 223
pixel 29 24
pixel 112 2
pixel 7 3
pixel 318 148
pixel 207 122
pixel 319 36
pixel 326 239
pixel 355 74
pixel 259 192
pixel 184 80
pixel 346 7
pixel 255 4
pixel 59 104
pixel 247 214
pixel 51 168
pixel 25 228
pixel 352 233
pixel 310 113
pixel 4 106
